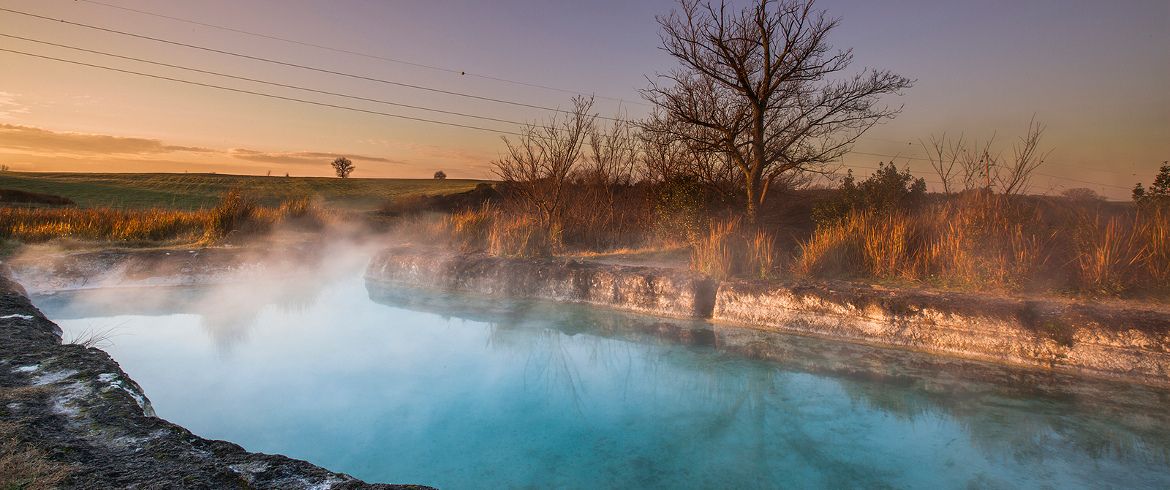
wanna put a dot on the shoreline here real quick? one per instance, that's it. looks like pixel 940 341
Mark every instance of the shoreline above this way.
pixel 86 412
pixel 1108 341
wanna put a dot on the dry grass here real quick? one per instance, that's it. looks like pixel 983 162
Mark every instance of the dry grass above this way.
pixel 487 229
pixel 985 242
pixel 24 467
pixel 103 224
pixel 762 255
pixel 521 236
pixel 719 253
pixel 235 212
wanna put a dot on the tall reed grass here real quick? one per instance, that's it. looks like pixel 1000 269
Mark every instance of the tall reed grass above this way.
pixel 727 250
pixel 988 242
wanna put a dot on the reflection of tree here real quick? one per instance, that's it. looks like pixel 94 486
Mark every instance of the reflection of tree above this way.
pixel 1026 415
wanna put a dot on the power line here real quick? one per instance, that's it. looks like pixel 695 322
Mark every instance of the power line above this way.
pixel 355 53
pixel 295 65
pixel 266 82
pixel 260 94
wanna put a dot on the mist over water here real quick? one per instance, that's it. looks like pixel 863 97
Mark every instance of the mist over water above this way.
pixel 399 386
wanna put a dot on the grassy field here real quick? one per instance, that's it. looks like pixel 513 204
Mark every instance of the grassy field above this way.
pixel 202 191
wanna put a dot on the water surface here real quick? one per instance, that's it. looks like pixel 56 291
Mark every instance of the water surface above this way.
pixel 397 386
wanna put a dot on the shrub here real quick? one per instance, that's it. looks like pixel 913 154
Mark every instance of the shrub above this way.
pixel 679 210
pixel 886 190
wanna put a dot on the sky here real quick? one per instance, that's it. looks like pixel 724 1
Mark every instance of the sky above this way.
pixel 1096 73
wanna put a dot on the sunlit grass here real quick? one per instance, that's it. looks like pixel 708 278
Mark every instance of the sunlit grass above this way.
pixel 235 212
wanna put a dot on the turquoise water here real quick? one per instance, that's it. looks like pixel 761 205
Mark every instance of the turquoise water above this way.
pixel 397 386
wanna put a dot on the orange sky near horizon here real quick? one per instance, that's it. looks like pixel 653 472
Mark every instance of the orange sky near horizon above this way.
pixel 1096 75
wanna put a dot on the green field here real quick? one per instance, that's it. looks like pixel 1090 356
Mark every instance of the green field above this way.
pixel 195 191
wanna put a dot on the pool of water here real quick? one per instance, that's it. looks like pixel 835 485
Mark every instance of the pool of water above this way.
pixel 398 386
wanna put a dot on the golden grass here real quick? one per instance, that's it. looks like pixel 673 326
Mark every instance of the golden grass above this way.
pixel 762 254
pixel 235 212
pixel 103 224
pixel 520 236
pixel 716 253
pixel 997 243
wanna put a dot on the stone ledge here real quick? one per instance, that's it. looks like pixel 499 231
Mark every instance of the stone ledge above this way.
pixel 662 292
pixel 1123 343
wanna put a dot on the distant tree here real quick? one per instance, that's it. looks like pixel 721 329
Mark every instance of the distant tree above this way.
pixel 1082 194
pixel 763 87
pixel 1159 191
pixel 343 167
pixel 440 175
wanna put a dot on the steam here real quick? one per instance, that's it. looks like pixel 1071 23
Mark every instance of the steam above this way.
pixel 286 270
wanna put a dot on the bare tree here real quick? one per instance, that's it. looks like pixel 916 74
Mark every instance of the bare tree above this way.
pixel 342 166
pixel 538 163
pixel 613 153
pixel 1015 176
pixel 661 155
pixel 978 164
pixel 945 156
pixel 754 84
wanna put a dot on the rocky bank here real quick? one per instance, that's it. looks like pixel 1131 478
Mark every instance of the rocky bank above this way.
pixel 1081 337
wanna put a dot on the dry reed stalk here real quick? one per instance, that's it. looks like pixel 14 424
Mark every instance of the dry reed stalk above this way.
pixel 715 253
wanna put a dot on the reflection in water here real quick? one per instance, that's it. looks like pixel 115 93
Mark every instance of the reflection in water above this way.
pixel 226 312
pixel 464 393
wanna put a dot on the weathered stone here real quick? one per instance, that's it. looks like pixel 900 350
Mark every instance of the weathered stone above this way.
pixel 665 292
pixel 1083 337
pixel 1100 340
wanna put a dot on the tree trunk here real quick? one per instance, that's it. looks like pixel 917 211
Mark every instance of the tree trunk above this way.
pixel 754 189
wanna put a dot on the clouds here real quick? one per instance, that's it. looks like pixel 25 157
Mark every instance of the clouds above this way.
pixel 39 140
pixel 39 149
pixel 303 157
pixel 9 106
pixel 45 142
